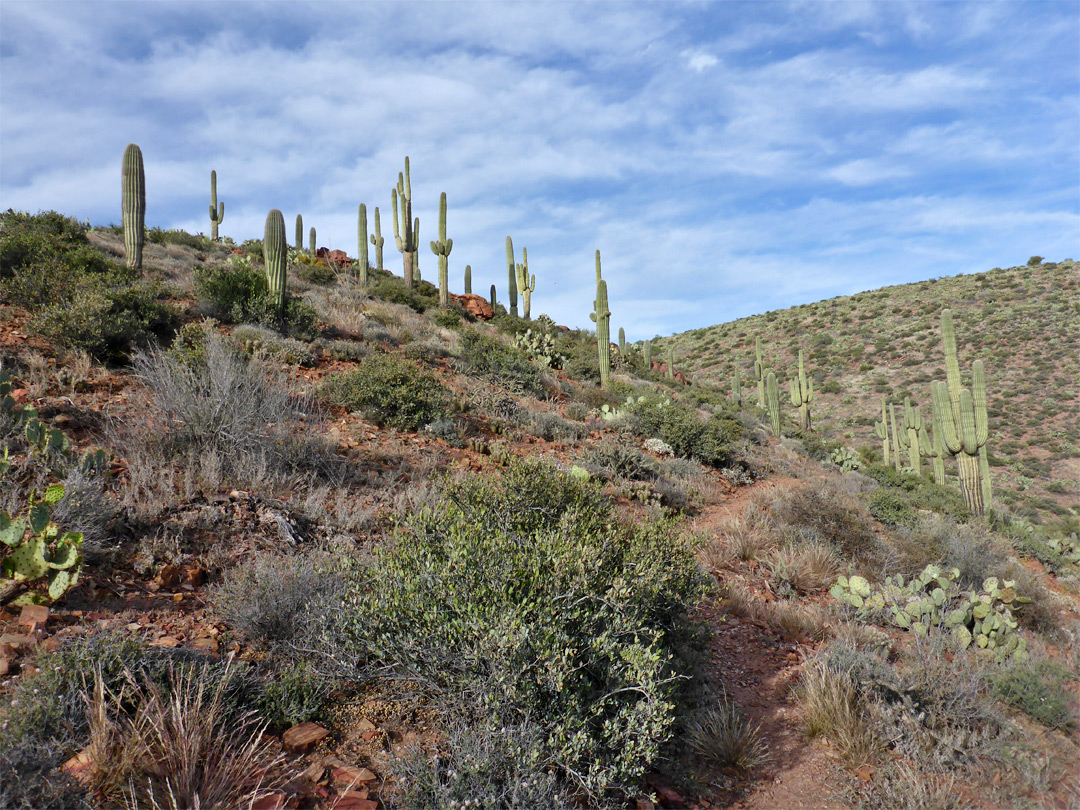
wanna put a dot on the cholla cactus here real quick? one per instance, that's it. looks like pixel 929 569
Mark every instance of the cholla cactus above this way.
pixel 217 210
pixel 133 205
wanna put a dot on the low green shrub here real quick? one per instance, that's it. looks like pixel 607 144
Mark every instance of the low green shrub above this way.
pixel 1038 689
pixel 711 441
pixel 524 599
pixel 890 508
pixel 490 359
pixel 388 390
pixel 394 289
pixel 237 292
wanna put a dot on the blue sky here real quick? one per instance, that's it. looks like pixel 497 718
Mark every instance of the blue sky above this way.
pixel 726 158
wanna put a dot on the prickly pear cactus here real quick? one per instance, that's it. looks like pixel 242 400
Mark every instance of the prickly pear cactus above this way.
pixel 541 347
pixel 845 459
pixel 39 550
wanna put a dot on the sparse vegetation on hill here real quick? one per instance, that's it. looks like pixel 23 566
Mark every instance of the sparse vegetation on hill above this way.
pixel 342 546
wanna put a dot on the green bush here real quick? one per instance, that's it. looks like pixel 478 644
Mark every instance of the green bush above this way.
pixel 1037 689
pixel 891 509
pixel 524 599
pixel 237 293
pixel 106 322
pixel 173 236
pixel 394 289
pixel 488 358
pixel 388 390
pixel 711 441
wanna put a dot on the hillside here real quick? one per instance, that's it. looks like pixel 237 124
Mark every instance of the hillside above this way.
pixel 348 549
pixel 1023 322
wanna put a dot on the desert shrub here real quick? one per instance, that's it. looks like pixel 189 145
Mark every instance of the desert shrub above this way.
pixel 524 599
pixel 279 601
pixel 173 236
pixel 488 358
pixel 611 461
pixel 313 271
pixel 888 507
pixel 393 289
pixel 294 695
pixel 483 766
pixel 86 508
pixel 237 292
pixel 836 517
pixel 106 321
pixel 1038 689
pixel 450 317
pixel 346 349
pixel 711 441
pixel 833 708
pixel 551 427
pixel 266 343
pixel 228 408
pixel 388 390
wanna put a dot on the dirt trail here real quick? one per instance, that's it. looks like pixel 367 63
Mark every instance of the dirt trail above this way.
pixel 757 668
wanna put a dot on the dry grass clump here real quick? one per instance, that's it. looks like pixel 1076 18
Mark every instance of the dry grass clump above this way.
pixel 837 517
pixel 179 749
pixel 794 619
pixel 833 709
pixel 724 736
pixel 806 567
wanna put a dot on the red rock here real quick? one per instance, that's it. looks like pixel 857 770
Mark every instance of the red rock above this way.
pixel 271 801
pixel 475 305
pixel 348 775
pixel 166 641
pixel 79 766
pixel 302 738
pixel 354 802
pixel 34 614
pixel 338 258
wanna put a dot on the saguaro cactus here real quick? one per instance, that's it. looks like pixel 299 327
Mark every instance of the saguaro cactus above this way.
pixel 416 251
pixel 276 256
pixel 511 272
pixel 622 342
pixel 802 393
pixel 525 283
pixel 772 401
pixel 897 439
pixel 299 244
pixel 601 316
pixel 670 362
pixel 736 388
pixel 933 447
pixel 646 352
pixel 362 242
pixel 916 429
pixel 404 235
pixel 881 430
pixel 760 372
pixel 217 210
pixel 960 415
pixel 468 279
pixel 133 202
pixel 493 296
pixel 311 241
pixel 377 240
pixel 442 248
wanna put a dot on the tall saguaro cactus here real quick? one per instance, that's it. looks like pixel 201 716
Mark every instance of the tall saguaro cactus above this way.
pixel 916 430
pixel 622 342
pixel 963 421
pixel 646 352
pixel 442 248
pixel 377 240
pixel 493 296
pixel 601 316
pixel 299 244
pixel 772 401
pixel 736 388
pixel 511 272
pixel 416 250
pixel 933 447
pixel 468 279
pixel 133 203
pixel 881 430
pixel 217 210
pixel 760 372
pixel 897 439
pixel 404 235
pixel 311 241
pixel 670 362
pixel 525 283
pixel 276 256
pixel 802 393
pixel 362 242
